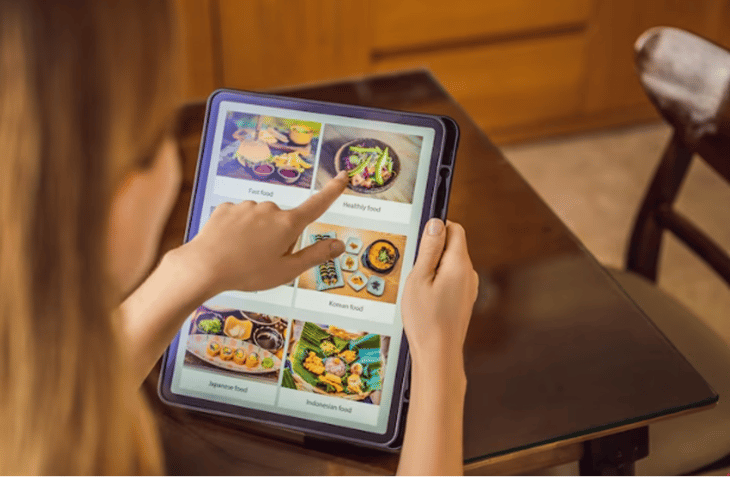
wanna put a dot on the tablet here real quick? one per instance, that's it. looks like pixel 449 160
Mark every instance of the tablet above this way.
pixel 324 354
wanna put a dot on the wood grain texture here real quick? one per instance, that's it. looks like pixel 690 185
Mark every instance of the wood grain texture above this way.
pixel 522 69
pixel 509 84
pixel 611 82
pixel 724 34
pixel 199 47
pixel 408 23
pixel 271 43
pixel 527 461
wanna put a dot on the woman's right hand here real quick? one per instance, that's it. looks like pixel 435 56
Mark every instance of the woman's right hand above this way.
pixel 439 294
pixel 251 246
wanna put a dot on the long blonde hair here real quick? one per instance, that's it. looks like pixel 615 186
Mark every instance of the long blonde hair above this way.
pixel 86 86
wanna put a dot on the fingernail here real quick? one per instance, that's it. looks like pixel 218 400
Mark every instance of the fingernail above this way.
pixel 435 226
pixel 337 247
pixel 341 175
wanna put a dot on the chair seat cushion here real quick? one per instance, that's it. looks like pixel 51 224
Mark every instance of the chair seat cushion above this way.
pixel 681 445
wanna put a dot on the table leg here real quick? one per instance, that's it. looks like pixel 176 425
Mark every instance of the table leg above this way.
pixel 615 454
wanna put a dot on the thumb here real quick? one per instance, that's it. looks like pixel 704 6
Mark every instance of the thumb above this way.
pixel 431 248
pixel 315 254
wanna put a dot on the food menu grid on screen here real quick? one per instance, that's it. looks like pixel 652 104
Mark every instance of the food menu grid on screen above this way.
pixel 325 346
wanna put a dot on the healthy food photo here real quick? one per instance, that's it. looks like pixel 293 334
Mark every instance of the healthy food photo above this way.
pixel 236 343
pixel 382 165
pixel 330 361
pixel 269 149
pixel 370 268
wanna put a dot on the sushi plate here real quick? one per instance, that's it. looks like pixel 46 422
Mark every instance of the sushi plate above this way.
pixel 198 344
pixel 337 268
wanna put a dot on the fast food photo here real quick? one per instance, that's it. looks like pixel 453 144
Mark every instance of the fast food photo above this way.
pixel 269 149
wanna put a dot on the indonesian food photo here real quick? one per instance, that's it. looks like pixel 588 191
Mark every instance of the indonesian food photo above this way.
pixel 331 361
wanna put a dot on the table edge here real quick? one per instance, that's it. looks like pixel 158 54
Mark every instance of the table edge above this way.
pixel 578 438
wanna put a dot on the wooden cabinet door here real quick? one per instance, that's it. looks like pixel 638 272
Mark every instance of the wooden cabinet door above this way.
pixel 407 24
pixel 508 86
pixel 522 68
pixel 612 83
pixel 266 44
pixel 199 50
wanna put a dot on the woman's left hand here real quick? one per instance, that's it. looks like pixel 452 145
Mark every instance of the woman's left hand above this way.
pixel 250 246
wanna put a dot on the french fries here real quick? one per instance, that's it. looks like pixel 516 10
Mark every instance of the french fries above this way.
pixel 291 159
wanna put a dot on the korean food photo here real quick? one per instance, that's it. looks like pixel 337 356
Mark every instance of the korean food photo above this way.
pixel 370 268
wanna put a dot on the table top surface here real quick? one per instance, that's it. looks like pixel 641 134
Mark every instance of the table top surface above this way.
pixel 555 349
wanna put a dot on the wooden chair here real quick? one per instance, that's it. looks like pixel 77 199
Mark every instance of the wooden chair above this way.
pixel 688 80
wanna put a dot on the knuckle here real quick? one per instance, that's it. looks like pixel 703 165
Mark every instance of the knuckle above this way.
pixel 222 207
pixel 457 228
pixel 221 211
pixel 268 206
pixel 247 204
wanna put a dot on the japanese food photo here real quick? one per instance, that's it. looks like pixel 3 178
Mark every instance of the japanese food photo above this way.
pixel 268 149
pixel 236 342
pixel 331 361
pixel 370 268
pixel 379 164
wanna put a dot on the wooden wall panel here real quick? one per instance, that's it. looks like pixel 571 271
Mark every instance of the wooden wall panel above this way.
pixel 616 24
pixel 408 23
pixel 522 68
pixel 509 84
pixel 723 25
pixel 267 44
pixel 199 49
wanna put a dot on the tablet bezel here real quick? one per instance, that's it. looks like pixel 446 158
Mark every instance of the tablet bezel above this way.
pixel 205 155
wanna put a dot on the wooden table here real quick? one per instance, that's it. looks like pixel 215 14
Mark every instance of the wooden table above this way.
pixel 561 365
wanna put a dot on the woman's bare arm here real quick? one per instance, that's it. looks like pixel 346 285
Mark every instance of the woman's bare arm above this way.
pixel 433 440
pixel 247 246
pixel 155 311
pixel 437 305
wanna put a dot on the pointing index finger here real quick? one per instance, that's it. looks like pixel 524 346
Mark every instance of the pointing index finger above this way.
pixel 318 204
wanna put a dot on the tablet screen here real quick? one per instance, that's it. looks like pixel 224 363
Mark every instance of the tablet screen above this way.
pixel 324 347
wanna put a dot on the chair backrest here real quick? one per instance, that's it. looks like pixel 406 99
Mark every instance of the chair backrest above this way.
pixel 688 80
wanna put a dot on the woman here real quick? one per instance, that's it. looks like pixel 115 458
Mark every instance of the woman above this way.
pixel 89 177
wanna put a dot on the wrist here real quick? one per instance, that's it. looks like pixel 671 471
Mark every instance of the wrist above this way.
pixel 190 273
pixel 440 367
